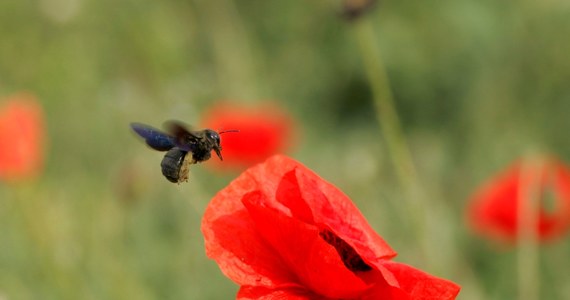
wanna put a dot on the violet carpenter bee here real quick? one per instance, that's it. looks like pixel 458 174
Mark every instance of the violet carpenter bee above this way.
pixel 184 147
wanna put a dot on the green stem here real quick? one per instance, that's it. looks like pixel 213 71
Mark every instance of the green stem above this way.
pixel 384 103
pixel 414 208
pixel 527 251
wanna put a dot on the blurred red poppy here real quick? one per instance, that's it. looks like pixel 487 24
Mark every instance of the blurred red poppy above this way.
pixel 493 210
pixel 21 137
pixel 282 232
pixel 263 131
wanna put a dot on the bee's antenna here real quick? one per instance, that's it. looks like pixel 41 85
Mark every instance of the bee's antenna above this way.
pixel 231 130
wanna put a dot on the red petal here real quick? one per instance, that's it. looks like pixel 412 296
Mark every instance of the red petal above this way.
pixel 332 208
pixel 262 293
pixel 493 211
pixel 232 241
pixel 263 131
pixel 311 198
pixel 420 285
pixel 21 138
pixel 316 263
pixel 289 194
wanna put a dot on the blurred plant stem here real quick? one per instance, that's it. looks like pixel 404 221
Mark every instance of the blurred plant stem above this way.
pixel 231 49
pixel 392 130
pixel 414 210
pixel 528 252
pixel 384 103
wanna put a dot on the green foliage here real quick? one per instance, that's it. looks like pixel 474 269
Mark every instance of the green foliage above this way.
pixel 476 84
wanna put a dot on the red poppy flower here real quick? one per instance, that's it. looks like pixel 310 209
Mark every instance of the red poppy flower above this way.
pixel 493 211
pixel 282 232
pixel 21 137
pixel 263 131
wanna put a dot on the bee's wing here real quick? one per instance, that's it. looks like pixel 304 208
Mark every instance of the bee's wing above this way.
pixel 153 137
pixel 183 138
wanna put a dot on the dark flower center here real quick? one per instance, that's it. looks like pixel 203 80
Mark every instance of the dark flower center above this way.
pixel 349 257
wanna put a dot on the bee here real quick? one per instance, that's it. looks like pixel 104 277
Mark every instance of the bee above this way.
pixel 184 147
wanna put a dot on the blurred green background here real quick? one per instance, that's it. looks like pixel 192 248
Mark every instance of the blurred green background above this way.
pixel 477 84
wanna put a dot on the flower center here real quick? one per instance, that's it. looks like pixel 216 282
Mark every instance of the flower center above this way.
pixel 349 257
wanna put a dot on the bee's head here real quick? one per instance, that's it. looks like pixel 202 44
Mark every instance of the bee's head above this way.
pixel 214 140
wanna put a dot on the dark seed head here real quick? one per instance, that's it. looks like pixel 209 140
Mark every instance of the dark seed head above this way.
pixel 354 9
pixel 349 257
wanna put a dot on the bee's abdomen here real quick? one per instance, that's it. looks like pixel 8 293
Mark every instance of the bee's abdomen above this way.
pixel 171 164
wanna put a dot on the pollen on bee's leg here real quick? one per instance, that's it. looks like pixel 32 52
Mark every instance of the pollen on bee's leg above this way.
pixel 348 255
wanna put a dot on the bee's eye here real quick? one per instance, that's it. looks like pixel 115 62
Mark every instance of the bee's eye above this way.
pixel 215 137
